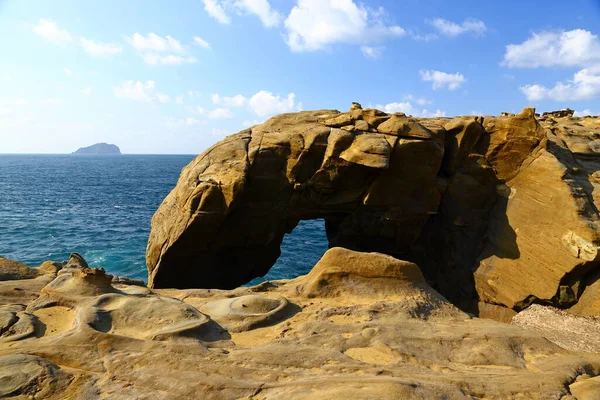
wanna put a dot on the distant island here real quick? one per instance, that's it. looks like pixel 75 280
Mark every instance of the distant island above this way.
pixel 99 149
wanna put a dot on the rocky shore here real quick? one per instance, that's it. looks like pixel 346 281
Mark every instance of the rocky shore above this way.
pixel 463 265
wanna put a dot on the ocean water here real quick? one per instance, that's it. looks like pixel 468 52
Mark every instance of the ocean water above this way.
pixel 101 206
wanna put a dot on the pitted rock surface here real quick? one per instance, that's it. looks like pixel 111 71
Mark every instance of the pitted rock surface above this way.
pixel 360 326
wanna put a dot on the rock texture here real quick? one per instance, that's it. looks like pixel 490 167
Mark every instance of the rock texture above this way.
pixel 359 325
pixel 500 211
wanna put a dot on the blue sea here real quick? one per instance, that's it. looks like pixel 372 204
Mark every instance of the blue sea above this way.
pixel 101 206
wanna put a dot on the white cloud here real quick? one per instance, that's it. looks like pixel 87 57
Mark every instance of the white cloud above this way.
pixel 216 10
pixel 155 43
pixel 425 38
pixel 263 103
pixel 554 49
pixel 419 100
pixel 13 102
pixel 408 109
pixel 201 42
pixel 575 48
pixel 585 113
pixel 68 71
pixel 266 103
pixel 50 31
pixel 449 28
pixel 442 79
pixel 98 49
pixel 262 9
pixel 171 122
pixel 156 50
pixel 87 91
pixel 585 85
pixel 372 52
pixel 163 98
pixel 10 106
pixel 179 100
pixel 52 101
pixel 236 101
pixel 476 113
pixel 193 94
pixel 220 113
pixel 140 91
pixel 217 113
pixel 193 121
pixel 169 59
pixel 318 24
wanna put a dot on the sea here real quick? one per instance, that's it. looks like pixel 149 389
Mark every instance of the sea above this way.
pixel 101 206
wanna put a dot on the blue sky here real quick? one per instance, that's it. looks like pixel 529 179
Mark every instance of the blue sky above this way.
pixel 175 77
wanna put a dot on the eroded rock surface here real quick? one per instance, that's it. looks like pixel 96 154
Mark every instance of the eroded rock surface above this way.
pixel 495 210
pixel 359 325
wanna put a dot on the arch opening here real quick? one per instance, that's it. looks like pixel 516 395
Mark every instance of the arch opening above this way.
pixel 300 250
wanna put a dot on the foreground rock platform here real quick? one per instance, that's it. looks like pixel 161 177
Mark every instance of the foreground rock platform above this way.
pixel 359 325
pixel 498 212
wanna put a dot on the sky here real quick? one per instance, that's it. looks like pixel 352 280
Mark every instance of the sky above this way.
pixel 158 77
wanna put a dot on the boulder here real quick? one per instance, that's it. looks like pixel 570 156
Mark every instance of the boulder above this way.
pixel 342 272
pixel 21 284
pixel 560 114
pixel 12 270
pixel 542 240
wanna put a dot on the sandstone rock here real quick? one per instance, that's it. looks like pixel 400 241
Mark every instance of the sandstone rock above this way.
pixel 568 331
pixel 560 114
pixel 511 142
pixel 51 267
pixel 343 272
pixel 20 284
pixel 292 167
pixel 586 389
pixel 147 317
pixel 26 375
pixel 543 234
pixel 588 303
pixel 359 325
pixel 473 201
pixel 239 314
pixel 12 270
pixel 495 312
pixel 16 324
pixel 372 116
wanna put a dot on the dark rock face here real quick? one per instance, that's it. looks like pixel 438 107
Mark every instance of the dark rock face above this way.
pixel 560 114
pixel 437 192
pixel 99 149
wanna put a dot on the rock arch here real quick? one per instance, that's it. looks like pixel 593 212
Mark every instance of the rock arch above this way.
pixel 224 222
pixel 433 191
